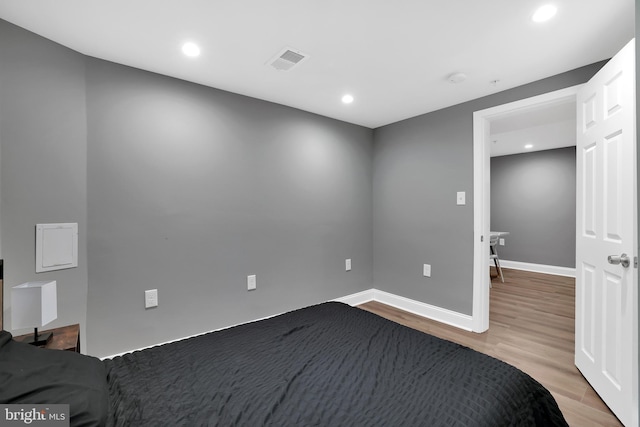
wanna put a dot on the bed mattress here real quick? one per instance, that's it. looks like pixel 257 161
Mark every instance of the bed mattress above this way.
pixel 325 365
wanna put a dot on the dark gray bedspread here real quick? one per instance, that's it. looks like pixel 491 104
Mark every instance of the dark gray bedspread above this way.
pixel 325 365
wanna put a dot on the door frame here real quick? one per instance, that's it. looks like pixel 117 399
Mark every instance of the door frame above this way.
pixel 482 192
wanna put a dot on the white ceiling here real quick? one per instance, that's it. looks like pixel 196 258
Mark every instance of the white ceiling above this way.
pixel 544 128
pixel 393 56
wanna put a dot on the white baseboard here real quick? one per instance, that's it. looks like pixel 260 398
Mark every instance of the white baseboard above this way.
pixel 358 298
pixel 539 268
pixel 442 315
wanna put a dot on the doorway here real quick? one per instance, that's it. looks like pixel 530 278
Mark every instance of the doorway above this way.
pixel 533 189
pixel 482 147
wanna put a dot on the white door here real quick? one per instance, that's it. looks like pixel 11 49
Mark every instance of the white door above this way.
pixel 606 290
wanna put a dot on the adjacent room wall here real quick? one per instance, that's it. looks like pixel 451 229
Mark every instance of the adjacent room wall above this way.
pixel 191 189
pixel 43 165
pixel 533 197
pixel 419 165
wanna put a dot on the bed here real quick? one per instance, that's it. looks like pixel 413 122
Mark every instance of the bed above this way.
pixel 324 365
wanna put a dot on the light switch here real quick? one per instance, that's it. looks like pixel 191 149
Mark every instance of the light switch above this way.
pixel 251 282
pixel 426 270
pixel 151 298
pixel 347 264
pixel 460 198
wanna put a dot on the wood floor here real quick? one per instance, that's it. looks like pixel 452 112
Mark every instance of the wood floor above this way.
pixel 532 328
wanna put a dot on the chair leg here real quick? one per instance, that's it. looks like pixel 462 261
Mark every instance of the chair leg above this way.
pixel 498 268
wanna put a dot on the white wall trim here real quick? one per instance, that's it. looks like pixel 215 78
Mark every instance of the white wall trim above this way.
pixel 539 268
pixel 442 315
pixel 481 189
pixel 358 298
pixel 481 204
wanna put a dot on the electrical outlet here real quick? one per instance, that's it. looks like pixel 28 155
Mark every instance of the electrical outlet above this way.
pixel 347 264
pixel 151 298
pixel 251 282
pixel 426 270
pixel 501 242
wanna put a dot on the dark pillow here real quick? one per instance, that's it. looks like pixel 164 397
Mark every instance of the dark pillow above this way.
pixel 34 375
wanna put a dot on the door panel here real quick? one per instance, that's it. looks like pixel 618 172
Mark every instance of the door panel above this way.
pixel 613 181
pixel 612 324
pixel 589 191
pixel 606 293
pixel 586 303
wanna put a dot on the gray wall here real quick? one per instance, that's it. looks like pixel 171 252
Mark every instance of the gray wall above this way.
pixel 191 189
pixel 533 196
pixel 419 165
pixel 43 165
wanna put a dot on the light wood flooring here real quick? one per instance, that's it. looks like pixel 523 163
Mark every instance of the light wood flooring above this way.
pixel 531 326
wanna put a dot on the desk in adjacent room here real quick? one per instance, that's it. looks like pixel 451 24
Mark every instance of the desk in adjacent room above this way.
pixel 494 240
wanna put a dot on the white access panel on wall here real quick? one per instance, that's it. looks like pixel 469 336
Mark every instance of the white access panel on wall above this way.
pixel 56 246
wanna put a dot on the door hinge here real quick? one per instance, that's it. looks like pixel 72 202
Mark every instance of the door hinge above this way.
pixel 482 238
pixel 635 262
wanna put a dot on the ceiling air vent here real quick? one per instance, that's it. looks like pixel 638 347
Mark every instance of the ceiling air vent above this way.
pixel 287 59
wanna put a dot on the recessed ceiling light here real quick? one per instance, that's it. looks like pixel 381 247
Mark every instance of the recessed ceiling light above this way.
pixel 347 99
pixel 544 13
pixel 191 49
pixel 528 146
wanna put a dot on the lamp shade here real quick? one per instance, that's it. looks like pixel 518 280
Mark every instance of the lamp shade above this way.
pixel 33 304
